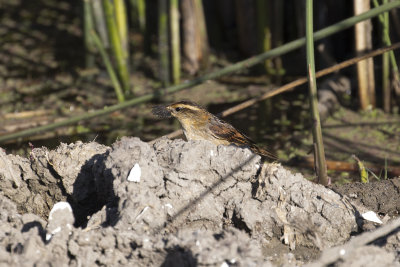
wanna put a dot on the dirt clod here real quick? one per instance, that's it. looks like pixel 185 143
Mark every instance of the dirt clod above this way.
pixel 191 203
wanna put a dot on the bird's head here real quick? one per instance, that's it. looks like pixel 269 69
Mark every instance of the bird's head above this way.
pixel 188 113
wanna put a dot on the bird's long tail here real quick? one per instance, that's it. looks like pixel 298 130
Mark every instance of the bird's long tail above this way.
pixel 263 152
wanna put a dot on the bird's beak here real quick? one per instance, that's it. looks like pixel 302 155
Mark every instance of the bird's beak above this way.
pixel 162 111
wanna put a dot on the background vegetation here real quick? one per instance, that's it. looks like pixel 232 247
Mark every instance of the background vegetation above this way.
pixel 69 63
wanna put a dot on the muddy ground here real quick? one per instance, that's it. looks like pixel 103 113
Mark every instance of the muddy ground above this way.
pixel 176 203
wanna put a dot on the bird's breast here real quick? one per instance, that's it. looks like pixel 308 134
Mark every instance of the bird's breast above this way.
pixel 202 133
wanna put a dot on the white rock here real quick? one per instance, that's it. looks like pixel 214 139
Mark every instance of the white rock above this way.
pixel 60 206
pixel 168 205
pixel 135 173
pixel 372 217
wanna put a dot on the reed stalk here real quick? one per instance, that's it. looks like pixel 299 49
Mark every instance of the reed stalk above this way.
pixel 319 152
pixel 163 45
pixel 87 28
pixel 175 42
pixel 100 23
pixel 109 67
pixel 365 69
pixel 122 25
pixel 385 64
pixel 116 43
pixel 138 14
pixel 264 31
pixel 387 41
pixel 203 37
pixel 141 7
pixel 277 38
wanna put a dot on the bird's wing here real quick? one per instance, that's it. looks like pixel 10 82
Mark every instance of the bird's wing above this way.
pixel 223 130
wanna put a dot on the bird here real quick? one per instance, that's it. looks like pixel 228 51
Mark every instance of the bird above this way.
pixel 199 124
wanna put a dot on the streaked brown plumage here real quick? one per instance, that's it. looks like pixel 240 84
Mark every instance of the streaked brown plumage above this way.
pixel 199 124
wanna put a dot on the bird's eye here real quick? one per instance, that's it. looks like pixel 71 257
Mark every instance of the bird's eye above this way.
pixel 178 109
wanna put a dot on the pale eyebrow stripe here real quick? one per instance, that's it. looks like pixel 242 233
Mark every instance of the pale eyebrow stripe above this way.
pixel 189 107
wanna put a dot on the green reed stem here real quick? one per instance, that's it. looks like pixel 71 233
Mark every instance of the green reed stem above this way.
pixel 175 42
pixel 116 44
pixel 87 28
pixel 319 153
pixel 163 44
pixel 109 67
pixel 384 19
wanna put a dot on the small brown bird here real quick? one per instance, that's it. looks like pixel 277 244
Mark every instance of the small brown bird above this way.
pixel 199 124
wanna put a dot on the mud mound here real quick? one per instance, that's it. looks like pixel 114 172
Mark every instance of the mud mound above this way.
pixel 172 203
pixel 381 197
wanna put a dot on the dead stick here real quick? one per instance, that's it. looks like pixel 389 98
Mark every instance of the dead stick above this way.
pixel 331 255
pixel 347 166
